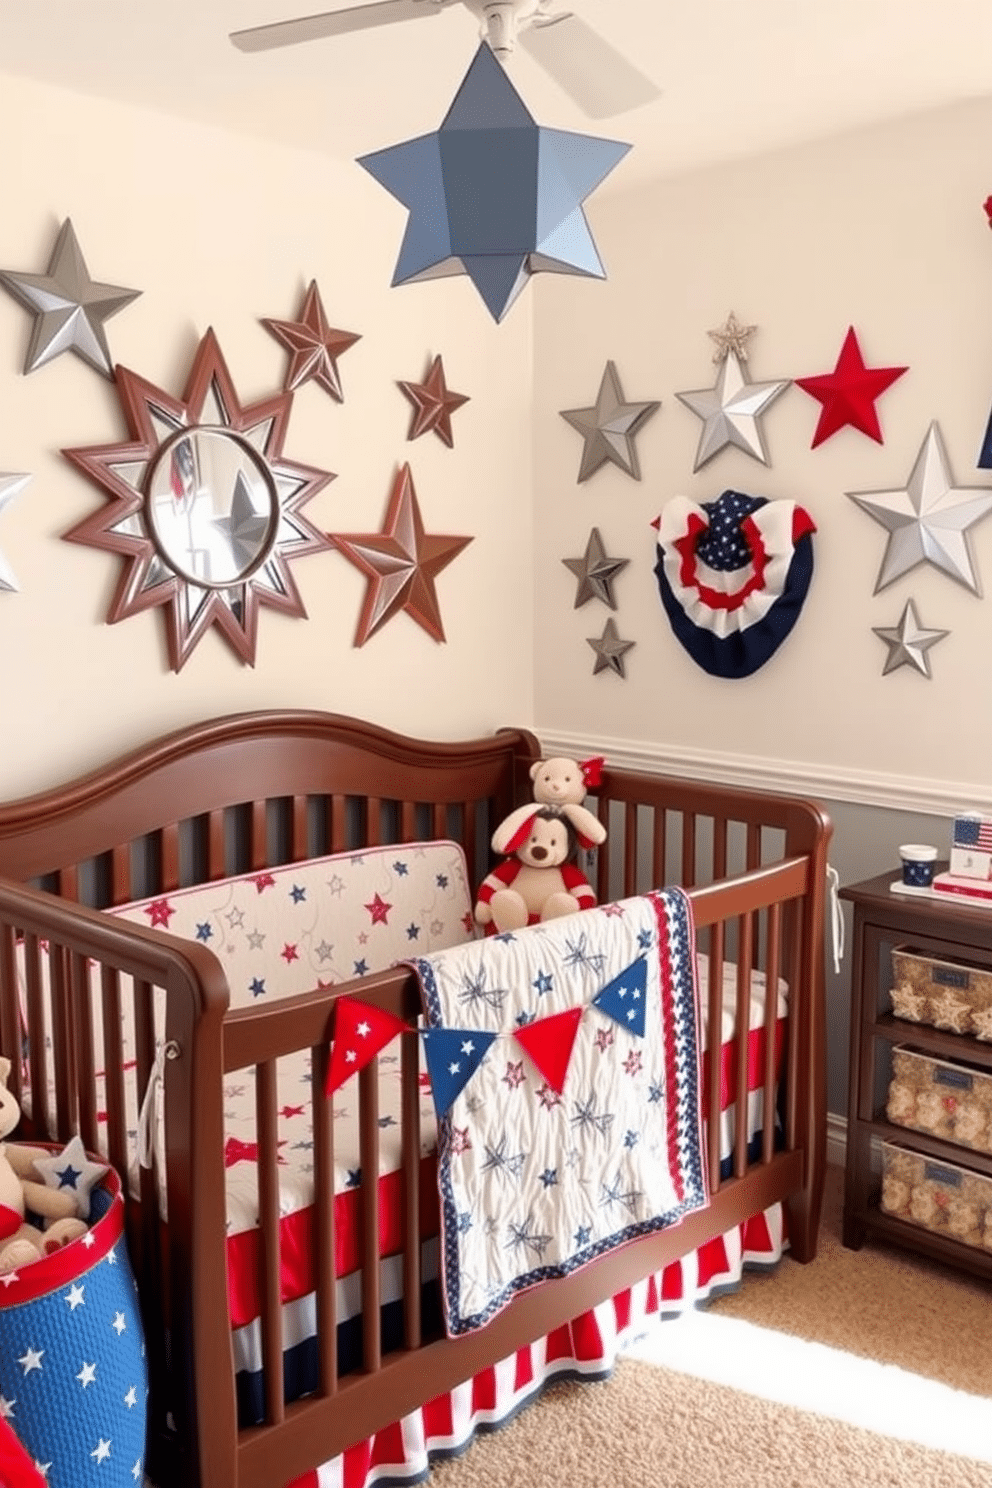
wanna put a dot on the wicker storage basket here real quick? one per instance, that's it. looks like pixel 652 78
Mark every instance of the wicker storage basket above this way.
pixel 937 1196
pixel 943 1098
pixel 948 994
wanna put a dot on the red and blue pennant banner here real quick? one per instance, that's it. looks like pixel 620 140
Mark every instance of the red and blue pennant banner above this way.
pixel 360 1032
pixel 578 1128
pixel 733 575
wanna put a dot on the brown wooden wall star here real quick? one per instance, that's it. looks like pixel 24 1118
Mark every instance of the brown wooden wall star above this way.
pixel 433 404
pixel 401 563
pixel 314 346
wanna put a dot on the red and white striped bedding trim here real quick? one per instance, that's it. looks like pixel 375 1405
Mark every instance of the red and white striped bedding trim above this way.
pixel 586 1348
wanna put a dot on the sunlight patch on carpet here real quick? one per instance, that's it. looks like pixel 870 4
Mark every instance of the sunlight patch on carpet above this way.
pixel 810 1376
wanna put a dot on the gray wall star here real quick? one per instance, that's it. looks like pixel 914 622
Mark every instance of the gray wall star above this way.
pixel 730 411
pixel 609 427
pixel 908 642
pixel 595 572
pixel 928 519
pixel 610 650
pixel 10 485
pixel 69 307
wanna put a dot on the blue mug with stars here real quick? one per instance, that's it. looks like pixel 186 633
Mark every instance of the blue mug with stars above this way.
pixel 918 860
pixel 73 1373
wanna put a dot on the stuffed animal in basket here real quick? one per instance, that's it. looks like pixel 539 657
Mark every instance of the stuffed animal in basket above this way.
pixel 22 1190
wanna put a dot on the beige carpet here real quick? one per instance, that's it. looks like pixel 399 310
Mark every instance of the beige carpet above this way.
pixel 651 1425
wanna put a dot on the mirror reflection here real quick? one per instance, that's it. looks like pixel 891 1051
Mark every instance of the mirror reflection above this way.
pixel 212 506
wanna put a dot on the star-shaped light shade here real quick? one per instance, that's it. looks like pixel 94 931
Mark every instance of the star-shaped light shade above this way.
pixel 433 404
pixel 731 336
pixel 908 642
pixel 10 485
pixel 401 563
pixel 848 393
pixel 492 194
pixel 202 506
pixel 69 307
pixel 595 572
pixel 928 519
pixel 731 411
pixel 314 346
pixel 609 427
pixel 610 650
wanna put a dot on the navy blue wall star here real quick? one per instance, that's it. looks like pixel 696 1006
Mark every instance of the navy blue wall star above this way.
pixel 492 194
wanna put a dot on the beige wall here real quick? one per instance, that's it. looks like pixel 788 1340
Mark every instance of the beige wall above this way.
pixel 220 231
pixel 883 230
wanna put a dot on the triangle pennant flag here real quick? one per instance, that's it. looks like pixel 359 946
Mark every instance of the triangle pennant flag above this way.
pixel 453 1055
pixel 625 998
pixel 360 1031
pixel 548 1042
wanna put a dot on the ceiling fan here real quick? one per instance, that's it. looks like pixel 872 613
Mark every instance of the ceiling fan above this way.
pixel 601 80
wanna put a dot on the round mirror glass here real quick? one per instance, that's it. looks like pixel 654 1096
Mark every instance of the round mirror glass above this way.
pixel 212 507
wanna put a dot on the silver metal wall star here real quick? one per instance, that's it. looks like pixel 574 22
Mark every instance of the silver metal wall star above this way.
pixel 69 307
pixel 730 411
pixel 595 572
pixel 10 485
pixel 610 650
pixel 908 642
pixel 731 336
pixel 928 520
pixel 609 427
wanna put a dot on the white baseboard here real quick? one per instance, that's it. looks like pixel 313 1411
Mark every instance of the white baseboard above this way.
pixel 836 1139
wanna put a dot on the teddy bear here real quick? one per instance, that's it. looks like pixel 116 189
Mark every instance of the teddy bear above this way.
pixel 540 881
pixel 559 785
pixel 22 1191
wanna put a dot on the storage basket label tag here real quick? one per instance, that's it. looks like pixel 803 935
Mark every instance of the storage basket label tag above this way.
pixel 958 1078
pixel 936 1173
pixel 950 976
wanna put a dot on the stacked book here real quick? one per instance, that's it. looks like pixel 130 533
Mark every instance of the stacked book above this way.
pixel 969 874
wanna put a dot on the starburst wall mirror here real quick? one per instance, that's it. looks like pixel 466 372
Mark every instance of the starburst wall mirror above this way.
pixel 203 507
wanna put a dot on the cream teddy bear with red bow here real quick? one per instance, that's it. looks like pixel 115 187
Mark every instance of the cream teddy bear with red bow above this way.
pixel 539 879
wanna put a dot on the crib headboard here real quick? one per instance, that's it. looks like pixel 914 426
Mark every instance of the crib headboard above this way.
pixel 250 790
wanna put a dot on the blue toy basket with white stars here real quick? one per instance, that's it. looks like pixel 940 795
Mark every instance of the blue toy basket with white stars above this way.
pixel 73 1374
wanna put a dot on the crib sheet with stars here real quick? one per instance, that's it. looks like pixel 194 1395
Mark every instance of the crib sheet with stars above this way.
pixel 567 1092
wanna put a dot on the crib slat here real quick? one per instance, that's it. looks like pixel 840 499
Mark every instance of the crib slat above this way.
pixel 469 836
pixel 169 859
pixel 10 1012
pixel 121 889
pixel 368 1124
pixel 144 1052
pixel 373 821
pixel 113 1064
pixel 67 880
pixel 742 1024
pixel 440 819
pixel 37 1063
pixel 259 849
pixel 338 823
pixel 719 847
pixel 688 849
pixel 82 1003
pixel 753 845
pixel 715 1024
pixel 216 852
pixel 62 1044
pixel 793 1093
pixel 771 1031
pixel 408 821
pixel 323 1178
pixel 299 828
pixel 267 1123
pixel 629 849
pixel 659 848
pixel 410 1117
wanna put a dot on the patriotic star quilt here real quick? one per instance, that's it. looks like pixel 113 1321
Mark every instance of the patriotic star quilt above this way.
pixel 565 1065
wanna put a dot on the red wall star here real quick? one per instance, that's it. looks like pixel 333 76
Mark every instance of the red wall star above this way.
pixel 848 393
pixel 433 404
pixel 314 346
pixel 401 563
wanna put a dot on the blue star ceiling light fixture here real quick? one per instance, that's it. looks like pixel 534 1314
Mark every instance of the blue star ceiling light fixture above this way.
pixel 494 195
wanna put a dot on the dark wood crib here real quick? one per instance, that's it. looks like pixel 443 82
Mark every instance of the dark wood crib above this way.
pixel 242 793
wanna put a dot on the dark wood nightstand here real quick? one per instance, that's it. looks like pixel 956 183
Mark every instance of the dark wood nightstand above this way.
pixel 948 930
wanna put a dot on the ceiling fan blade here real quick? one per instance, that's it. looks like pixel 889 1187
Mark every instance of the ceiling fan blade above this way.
pixel 334 23
pixel 599 78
